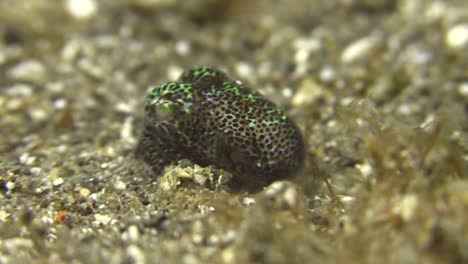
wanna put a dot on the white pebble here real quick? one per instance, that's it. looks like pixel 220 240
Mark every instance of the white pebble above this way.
pixel 359 49
pixel 405 109
pixel 19 90
pixel 308 91
pixel 301 56
pixel 435 11
pixel 248 201
pixel 132 233
pixel 29 70
pixel 120 185
pixel 81 9
pixel 173 72
pixel 10 185
pixel 102 219
pixel 13 244
pixel 304 47
pixel 35 171
pixel 23 158
pixel 60 103
pixel 136 254
pixel 365 169
pixel 14 104
pixel 58 181
pixel 84 192
pixel 182 47
pixel 327 74
pixel 308 44
pixel 71 50
pixel 347 199
pixel 124 107
pixel 457 36
pixel 244 70
pixel 62 148
pixel 290 196
pixel 38 114
pixel 407 206
pixel 126 133
pixel 4 216
pixel 287 92
pixel 463 89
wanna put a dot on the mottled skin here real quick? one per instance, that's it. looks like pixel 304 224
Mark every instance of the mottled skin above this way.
pixel 212 120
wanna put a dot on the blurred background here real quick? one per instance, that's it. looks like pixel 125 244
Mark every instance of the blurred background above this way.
pixel 379 89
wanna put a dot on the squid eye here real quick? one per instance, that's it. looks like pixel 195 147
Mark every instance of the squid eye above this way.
pixel 165 110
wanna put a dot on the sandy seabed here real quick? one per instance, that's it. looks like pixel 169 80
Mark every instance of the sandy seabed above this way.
pixel 378 88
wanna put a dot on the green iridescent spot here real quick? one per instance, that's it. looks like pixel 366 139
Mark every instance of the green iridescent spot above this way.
pixel 270 122
pixel 251 97
pixel 203 72
pixel 153 93
pixel 231 89
pixel 165 110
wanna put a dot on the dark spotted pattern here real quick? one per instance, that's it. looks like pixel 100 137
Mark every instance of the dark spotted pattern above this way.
pixel 212 120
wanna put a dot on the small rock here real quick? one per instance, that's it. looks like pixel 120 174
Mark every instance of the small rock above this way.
pixel 309 90
pixel 287 92
pixel 29 70
pixel 248 201
pixel 304 47
pixel 173 72
pixel 17 244
pixel 126 133
pixel 360 49
pixel 35 171
pixel 4 216
pixel 283 195
pixel 91 68
pixel 182 47
pixel 244 70
pixel 20 90
pixel 10 186
pixel 463 89
pixel 327 74
pixel 132 233
pixel 123 107
pixel 406 207
pixel 365 169
pixel 27 159
pixel 14 104
pixel 136 254
pixel 84 192
pixel 457 36
pixel 81 9
pixel 60 103
pixel 120 185
pixel 435 11
pixel 347 199
pixel 58 182
pixel 38 114
pixel 102 219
